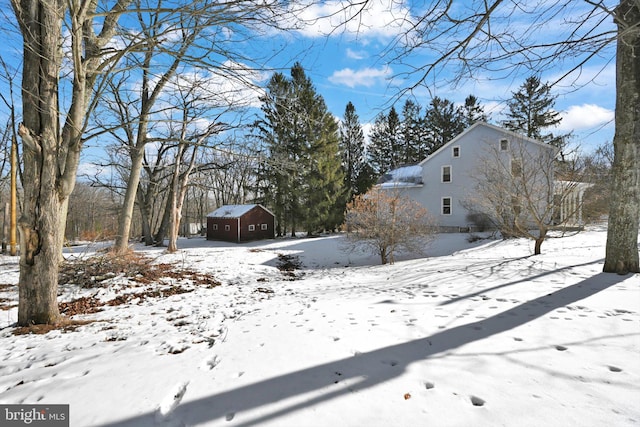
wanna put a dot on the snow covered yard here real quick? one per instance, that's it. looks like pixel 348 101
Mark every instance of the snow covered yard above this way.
pixel 480 334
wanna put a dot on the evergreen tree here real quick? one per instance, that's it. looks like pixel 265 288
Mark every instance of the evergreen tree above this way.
pixel 385 142
pixel 277 172
pixel 443 122
pixel 472 112
pixel 303 179
pixel 413 148
pixel 531 112
pixel 352 148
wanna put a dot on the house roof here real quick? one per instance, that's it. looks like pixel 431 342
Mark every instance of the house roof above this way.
pixel 405 176
pixel 233 211
pixel 470 129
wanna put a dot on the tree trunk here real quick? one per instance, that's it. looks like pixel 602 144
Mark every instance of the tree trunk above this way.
pixel 174 218
pixel 39 224
pixel 166 219
pixel 624 214
pixel 145 218
pixel 51 156
pixel 40 247
pixel 538 246
pixel 126 215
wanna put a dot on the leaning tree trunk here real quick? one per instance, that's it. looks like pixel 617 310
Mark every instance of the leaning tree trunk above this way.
pixel 126 214
pixel 39 223
pixel 624 215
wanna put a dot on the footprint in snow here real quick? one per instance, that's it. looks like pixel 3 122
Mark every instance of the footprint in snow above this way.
pixel 172 400
pixel 560 348
pixel 476 401
pixel 209 363
pixel 615 369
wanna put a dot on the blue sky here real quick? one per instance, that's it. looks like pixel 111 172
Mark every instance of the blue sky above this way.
pixel 351 66
pixel 352 62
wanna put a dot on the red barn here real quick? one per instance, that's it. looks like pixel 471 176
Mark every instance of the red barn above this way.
pixel 240 223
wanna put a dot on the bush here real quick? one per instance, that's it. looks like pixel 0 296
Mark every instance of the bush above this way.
pixel 481 221
pixel 383 221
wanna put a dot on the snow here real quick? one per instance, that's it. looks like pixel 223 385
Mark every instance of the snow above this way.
pixel 474 334
pixel 406 176
pixel 230 211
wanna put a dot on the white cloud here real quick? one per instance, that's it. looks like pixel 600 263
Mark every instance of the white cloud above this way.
pixel 585 116
pixel 352 54
pixel 381 18
pixel 364 77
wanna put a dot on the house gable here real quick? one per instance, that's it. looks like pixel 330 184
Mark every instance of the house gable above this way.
pixel 447 175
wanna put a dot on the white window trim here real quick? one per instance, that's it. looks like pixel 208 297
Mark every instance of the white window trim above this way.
pixel 227 227
pixel 450 206
pixel 215 227
pixel 252 227
pixel 453 151
pixel 264 226
pixel 442 174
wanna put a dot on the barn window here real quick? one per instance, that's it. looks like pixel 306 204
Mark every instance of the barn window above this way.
pixel 252 227
pixel 446 206
pixel 264 226
pixel 215 227
pixel 227 227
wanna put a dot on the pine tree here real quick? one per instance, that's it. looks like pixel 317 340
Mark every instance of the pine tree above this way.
pixel 472 112
pixel 385 142
pixel 531 112
pixel 443 122
pixel 413 147
pixel 277 172
pixel 303 179
pixel 352 148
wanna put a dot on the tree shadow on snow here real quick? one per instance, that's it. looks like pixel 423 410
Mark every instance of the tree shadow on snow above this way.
pixel 365 370
pixel 531 278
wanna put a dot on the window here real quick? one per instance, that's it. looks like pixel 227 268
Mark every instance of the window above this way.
pixel 446 174
pixel 227 227
pixel 215 227
pixel 264 226
pixel 446 206
pixel 456 151
pixel 252 227
pixel 504 145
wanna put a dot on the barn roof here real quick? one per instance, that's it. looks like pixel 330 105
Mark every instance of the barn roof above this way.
pixel 232 211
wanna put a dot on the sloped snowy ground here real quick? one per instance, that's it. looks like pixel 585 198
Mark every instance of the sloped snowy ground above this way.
pixel 479 334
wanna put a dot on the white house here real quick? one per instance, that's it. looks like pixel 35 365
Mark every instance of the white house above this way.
pixel 446 181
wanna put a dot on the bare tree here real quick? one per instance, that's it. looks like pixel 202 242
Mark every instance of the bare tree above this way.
pixel 52 153
pixel 490 36
pixel 229 174
pixel 597 170
pixel 517 190
pixel 53 125
pixel 192 99
pixel 384 221
pixel 93 214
